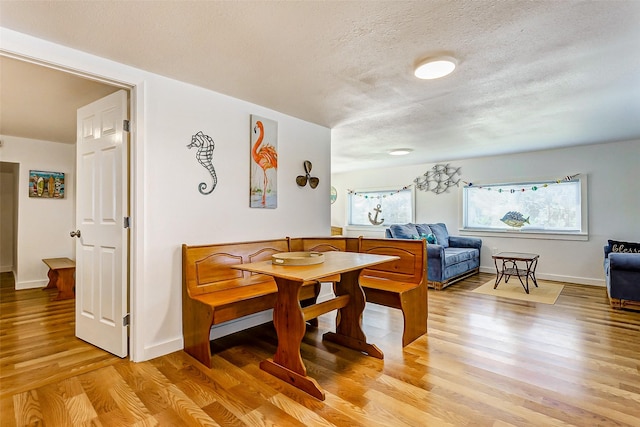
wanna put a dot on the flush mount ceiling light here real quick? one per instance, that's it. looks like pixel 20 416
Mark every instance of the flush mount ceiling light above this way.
pixel 434 68
pixel 400 151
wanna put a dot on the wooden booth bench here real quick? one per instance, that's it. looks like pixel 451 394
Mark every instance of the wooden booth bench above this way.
pixel 400 284
pixel 213 293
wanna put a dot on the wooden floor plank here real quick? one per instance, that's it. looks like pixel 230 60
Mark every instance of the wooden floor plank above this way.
pixel 485 361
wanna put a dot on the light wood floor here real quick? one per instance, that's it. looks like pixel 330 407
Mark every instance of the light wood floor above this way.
pixel 484 362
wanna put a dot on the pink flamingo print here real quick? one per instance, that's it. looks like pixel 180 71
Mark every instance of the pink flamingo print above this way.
pixel 266 157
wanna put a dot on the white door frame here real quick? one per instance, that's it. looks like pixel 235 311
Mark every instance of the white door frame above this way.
pixel 136 87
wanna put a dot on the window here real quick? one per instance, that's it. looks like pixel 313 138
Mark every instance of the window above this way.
pixel 548 207
pixel 379 206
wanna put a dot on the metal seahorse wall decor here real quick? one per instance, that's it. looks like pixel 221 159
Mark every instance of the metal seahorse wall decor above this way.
pixel 204 155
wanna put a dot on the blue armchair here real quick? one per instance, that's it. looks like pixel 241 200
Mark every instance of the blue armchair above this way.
pixel 449 258
pixel 622 272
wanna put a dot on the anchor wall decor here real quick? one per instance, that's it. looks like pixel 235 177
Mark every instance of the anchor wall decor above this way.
pixel 374 220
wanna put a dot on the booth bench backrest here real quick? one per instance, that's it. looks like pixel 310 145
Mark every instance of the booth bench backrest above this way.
pixel 410 268
pixel 207 268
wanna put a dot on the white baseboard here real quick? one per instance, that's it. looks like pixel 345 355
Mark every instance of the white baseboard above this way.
pixel 161 349
pixel 32 284
pixel 6 268
pixel 558 278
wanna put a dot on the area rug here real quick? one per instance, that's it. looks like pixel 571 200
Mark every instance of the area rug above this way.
pixel 547 292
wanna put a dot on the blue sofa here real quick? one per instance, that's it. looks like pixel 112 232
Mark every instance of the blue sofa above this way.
pixel 449 258
pixel 622 272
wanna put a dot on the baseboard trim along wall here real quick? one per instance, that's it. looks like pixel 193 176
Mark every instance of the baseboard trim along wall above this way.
pixel 31 284
pixel 559 278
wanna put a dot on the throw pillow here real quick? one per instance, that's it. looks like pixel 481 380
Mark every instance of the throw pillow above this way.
pixel 441 233
pixel 430 238
pixel 625 247
pixel 403 231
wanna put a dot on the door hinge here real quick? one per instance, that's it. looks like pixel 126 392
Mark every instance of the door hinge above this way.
pixel 127 222
pixel 125 320
pixel 126 126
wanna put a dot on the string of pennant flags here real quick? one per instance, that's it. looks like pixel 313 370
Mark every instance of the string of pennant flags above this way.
pixel 378 196
pixel 382 195
pixel 523 189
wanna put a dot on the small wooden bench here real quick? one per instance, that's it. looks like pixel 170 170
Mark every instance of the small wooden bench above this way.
pixel 213 293
pixel 400 284
pixel 61 276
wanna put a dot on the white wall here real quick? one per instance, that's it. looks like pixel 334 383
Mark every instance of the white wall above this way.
pixel 167 209
pixel 613 202
pixel 43 224
pixel 177 213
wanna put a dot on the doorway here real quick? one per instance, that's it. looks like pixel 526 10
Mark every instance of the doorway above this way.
pixel 53 95
pixel 9 173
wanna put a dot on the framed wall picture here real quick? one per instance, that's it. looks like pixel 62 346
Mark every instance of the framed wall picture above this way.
pixel 46 185
pixel 264 163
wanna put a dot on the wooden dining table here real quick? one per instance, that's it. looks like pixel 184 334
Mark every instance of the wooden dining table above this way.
pixel 289 318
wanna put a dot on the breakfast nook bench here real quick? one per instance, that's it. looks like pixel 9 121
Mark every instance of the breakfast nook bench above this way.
pixel 400 284
pixel 213 292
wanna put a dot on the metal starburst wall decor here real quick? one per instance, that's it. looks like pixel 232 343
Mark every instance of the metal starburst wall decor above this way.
pixel 439 179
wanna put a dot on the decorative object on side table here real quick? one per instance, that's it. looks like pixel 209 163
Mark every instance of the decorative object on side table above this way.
pixel 204 155
pixel 301 180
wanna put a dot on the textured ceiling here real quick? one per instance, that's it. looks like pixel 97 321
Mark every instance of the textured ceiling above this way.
pixel 531 75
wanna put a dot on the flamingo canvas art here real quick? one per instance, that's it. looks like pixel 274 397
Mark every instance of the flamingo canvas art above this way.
pixel 264 163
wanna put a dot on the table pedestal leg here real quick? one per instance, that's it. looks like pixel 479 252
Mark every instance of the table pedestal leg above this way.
pixel 303 382
pixel 288 320
pixel 349 331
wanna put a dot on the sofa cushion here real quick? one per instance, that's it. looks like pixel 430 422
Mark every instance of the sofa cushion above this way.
pixel 457 255
pixel 442 235
pixel 624 247
pixel 423 229
pixel 404 231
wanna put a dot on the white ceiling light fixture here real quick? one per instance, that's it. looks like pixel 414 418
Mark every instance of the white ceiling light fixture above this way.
pixel 400 151
pixel 434 68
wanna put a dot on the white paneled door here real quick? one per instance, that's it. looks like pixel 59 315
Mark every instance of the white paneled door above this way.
pixel 101 235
